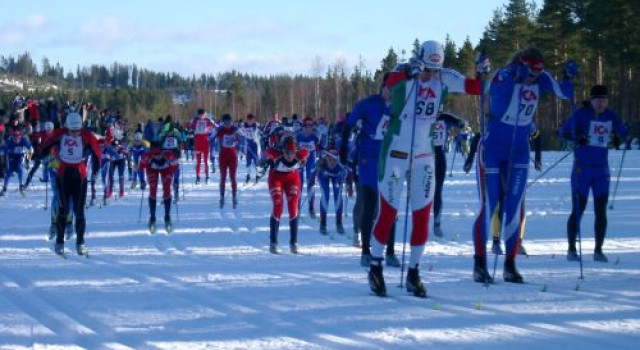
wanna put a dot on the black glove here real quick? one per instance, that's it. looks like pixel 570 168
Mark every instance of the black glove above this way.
pixel 583 140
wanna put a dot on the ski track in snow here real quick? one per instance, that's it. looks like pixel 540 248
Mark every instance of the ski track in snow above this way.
pixel 213 284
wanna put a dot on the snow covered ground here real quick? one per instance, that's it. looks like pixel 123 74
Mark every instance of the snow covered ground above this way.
pixel 213 284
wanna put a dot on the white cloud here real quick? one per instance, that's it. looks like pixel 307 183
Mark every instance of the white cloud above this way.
pixel 21 29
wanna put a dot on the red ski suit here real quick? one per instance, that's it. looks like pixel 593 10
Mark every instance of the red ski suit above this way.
pixel 228 158
pixel 202 128
pixel 165 167
pixel 285 177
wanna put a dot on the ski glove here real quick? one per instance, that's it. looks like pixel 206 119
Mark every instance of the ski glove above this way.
pixel 582 140
pixel 570 69
pixel 483 66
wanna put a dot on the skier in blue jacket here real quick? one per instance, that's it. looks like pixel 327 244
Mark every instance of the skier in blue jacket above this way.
pixel 514 93
pixel 590 127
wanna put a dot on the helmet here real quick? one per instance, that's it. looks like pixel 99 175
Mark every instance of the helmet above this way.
pixel 137 136
pixel 332 152
pixel 431 54
pixel 226 118
pixel 48 126
pixel 74 121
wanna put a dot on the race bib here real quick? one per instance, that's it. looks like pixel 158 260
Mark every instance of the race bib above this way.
pixel 523 106
pixel 439 133
pixel 71 149
pixel 309 146
pixel 201 127
pixel 382 128
pixel 228 141
pixel 170 142
pixel 599 133
pixel 249 134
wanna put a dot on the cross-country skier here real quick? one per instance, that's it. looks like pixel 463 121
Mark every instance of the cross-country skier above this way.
pixel 159 165
pixel 251 132
pixel 37 139
pixel 137 150
pixel 284 182
pixel 228 135
pixel 15 149
pixel 439 134
pixel 416 102
pixel 73 144
pixel 372 113
pixel 308 139
pixel 514 91
pixel 331 175
pixel 590 127
pixel 202 128
pixel 170 138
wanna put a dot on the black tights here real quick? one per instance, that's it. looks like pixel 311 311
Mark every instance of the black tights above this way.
pixel 600 225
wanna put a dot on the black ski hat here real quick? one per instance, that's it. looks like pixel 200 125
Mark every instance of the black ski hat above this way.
pixel 599 91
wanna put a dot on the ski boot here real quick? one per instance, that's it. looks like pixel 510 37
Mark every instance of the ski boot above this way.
pixel 4 189
pixel 496 248
pixel 510 273
pixel 168 226
pixel 221 202
pixel 257 179
pixel 143 185
pixel 599 256
pixel 81 249
pixel 323 227
pixel 356 240
pixel 312 213
pixel 522 250
pixel 151 225
pixel 365 260
pixel 392 261
pixel 414 284
pixel 273 248
pixel 121 193
pixel 21 189
pixel 572 255
pixel 293 248
pixel 246 182
pixel 53 231
pixel 58 248
pixel 197 180
pixel 235 202
pixel 68 231
pixel 206 180
pixel 437 231
pixel 480 272
pixel 376 279
pixel 339 228
pixel 134 184
pixel 92 202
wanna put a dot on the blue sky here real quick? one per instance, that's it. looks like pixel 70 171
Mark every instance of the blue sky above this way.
pixel 263 37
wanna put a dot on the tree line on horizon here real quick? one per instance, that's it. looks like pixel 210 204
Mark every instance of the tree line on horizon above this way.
pixel 603 36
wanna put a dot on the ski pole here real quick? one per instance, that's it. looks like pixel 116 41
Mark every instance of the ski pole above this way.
pixel 530 184
pixel 613 199
pixel 452 163
pixel 140 210
pixel 406 207
pixel 46 195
